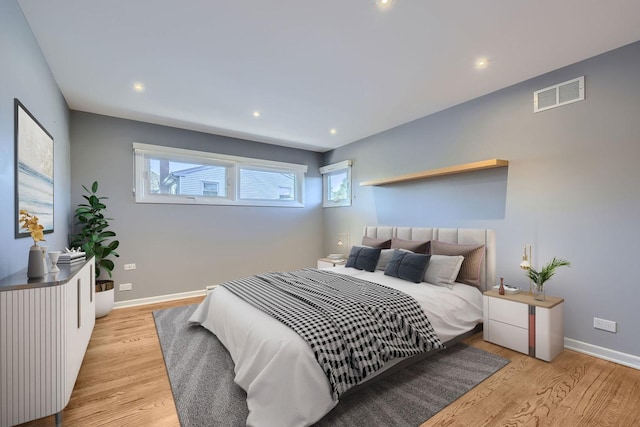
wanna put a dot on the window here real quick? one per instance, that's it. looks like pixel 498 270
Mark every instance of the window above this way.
pixel 173 175
pixel 259 184
pixel 336 184
pixel 210 188
pixel 285 192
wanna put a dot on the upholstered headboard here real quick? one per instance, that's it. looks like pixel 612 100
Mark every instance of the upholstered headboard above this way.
pixel 466 236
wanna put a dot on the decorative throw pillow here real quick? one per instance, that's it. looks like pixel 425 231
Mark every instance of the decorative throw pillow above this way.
pixel 385 257
pixel 363 258
pixel 417 246
pixel 407 266
pixel 470 272
pixel 443 270
pixel 376 243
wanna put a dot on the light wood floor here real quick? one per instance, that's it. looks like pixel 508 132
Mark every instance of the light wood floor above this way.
pixel 123 382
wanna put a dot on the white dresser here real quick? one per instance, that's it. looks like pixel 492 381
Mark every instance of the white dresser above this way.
pixel 45 327
pixel 523 324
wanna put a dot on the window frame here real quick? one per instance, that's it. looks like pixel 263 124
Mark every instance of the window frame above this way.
pixel 331 170
pixel 233 164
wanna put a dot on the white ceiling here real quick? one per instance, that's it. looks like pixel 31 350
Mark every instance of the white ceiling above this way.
pixel 310 66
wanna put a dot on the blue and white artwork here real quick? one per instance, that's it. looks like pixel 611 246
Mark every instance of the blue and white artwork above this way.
pixel 34 173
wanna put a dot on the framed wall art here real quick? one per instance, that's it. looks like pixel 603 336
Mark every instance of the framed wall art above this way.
pixel 34 169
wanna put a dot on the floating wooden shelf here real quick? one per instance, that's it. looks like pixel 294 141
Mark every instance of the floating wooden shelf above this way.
pixel 450 170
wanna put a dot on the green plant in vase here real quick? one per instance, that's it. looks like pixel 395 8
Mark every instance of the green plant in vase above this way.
pixel 545 273
pixel 94 237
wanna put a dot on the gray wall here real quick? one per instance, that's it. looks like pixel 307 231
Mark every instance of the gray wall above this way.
pixel 180 248
pixel 25 75
pixel 571 189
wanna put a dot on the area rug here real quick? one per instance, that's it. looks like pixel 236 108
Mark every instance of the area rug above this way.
pixel 201 374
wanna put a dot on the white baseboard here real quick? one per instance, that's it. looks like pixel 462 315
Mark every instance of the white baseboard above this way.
pixel 161 298
pixel 603 353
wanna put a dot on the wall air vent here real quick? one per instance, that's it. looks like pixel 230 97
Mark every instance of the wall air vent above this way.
pixel 557 95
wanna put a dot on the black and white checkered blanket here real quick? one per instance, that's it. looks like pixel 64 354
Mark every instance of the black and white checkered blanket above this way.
pixel 353 326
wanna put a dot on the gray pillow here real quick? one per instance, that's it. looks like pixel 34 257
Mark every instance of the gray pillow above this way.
pixel 471 268
pixel 385 256
pixel 407 266
pixel 443 270
pixel 362 258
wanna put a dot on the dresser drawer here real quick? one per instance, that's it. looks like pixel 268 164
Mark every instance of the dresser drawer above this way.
pixel 509 336
pixel 509 312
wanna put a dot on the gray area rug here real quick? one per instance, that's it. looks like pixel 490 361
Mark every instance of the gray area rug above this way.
pixel 201 374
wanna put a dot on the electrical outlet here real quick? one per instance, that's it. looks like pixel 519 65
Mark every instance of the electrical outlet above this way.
pixel 605 325
pixel 128 267
pixel 125 286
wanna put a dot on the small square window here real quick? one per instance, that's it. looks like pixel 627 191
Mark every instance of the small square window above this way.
pixel 210 188
pixel 336 183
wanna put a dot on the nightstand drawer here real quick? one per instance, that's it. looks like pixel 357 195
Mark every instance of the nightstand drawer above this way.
pixel 508 312
pixel 509 336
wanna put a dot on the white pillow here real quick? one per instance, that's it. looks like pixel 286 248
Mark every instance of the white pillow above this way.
pixel 442 270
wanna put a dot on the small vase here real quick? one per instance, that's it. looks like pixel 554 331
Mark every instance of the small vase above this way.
pixel 53 256
pixel 538 292
pixel 36 266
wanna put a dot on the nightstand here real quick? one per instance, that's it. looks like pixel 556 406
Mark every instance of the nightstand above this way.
pixel 328 262
pixel 523 324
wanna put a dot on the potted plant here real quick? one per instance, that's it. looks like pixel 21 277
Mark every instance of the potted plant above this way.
pixel 96 240
pixel 539 277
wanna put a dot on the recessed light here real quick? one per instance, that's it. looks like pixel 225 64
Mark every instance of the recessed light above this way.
pixel 256 114
pixel 333 131
pixel 481 63
pixel 384 4
pixel 138 87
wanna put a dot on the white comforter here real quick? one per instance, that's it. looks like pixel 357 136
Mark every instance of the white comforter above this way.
pixel 285 385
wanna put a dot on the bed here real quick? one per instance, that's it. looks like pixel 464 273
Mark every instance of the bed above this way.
pixel 277 368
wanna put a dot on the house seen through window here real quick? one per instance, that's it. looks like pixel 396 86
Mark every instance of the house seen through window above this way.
pixel 171 175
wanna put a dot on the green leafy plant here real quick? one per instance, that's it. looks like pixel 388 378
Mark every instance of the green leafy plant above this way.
pixel 94 238
pixel 546 272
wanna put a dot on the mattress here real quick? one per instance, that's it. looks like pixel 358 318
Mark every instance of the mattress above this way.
pixel 285 385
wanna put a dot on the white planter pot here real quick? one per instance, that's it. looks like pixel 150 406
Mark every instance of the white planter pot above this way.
pixel 104 303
